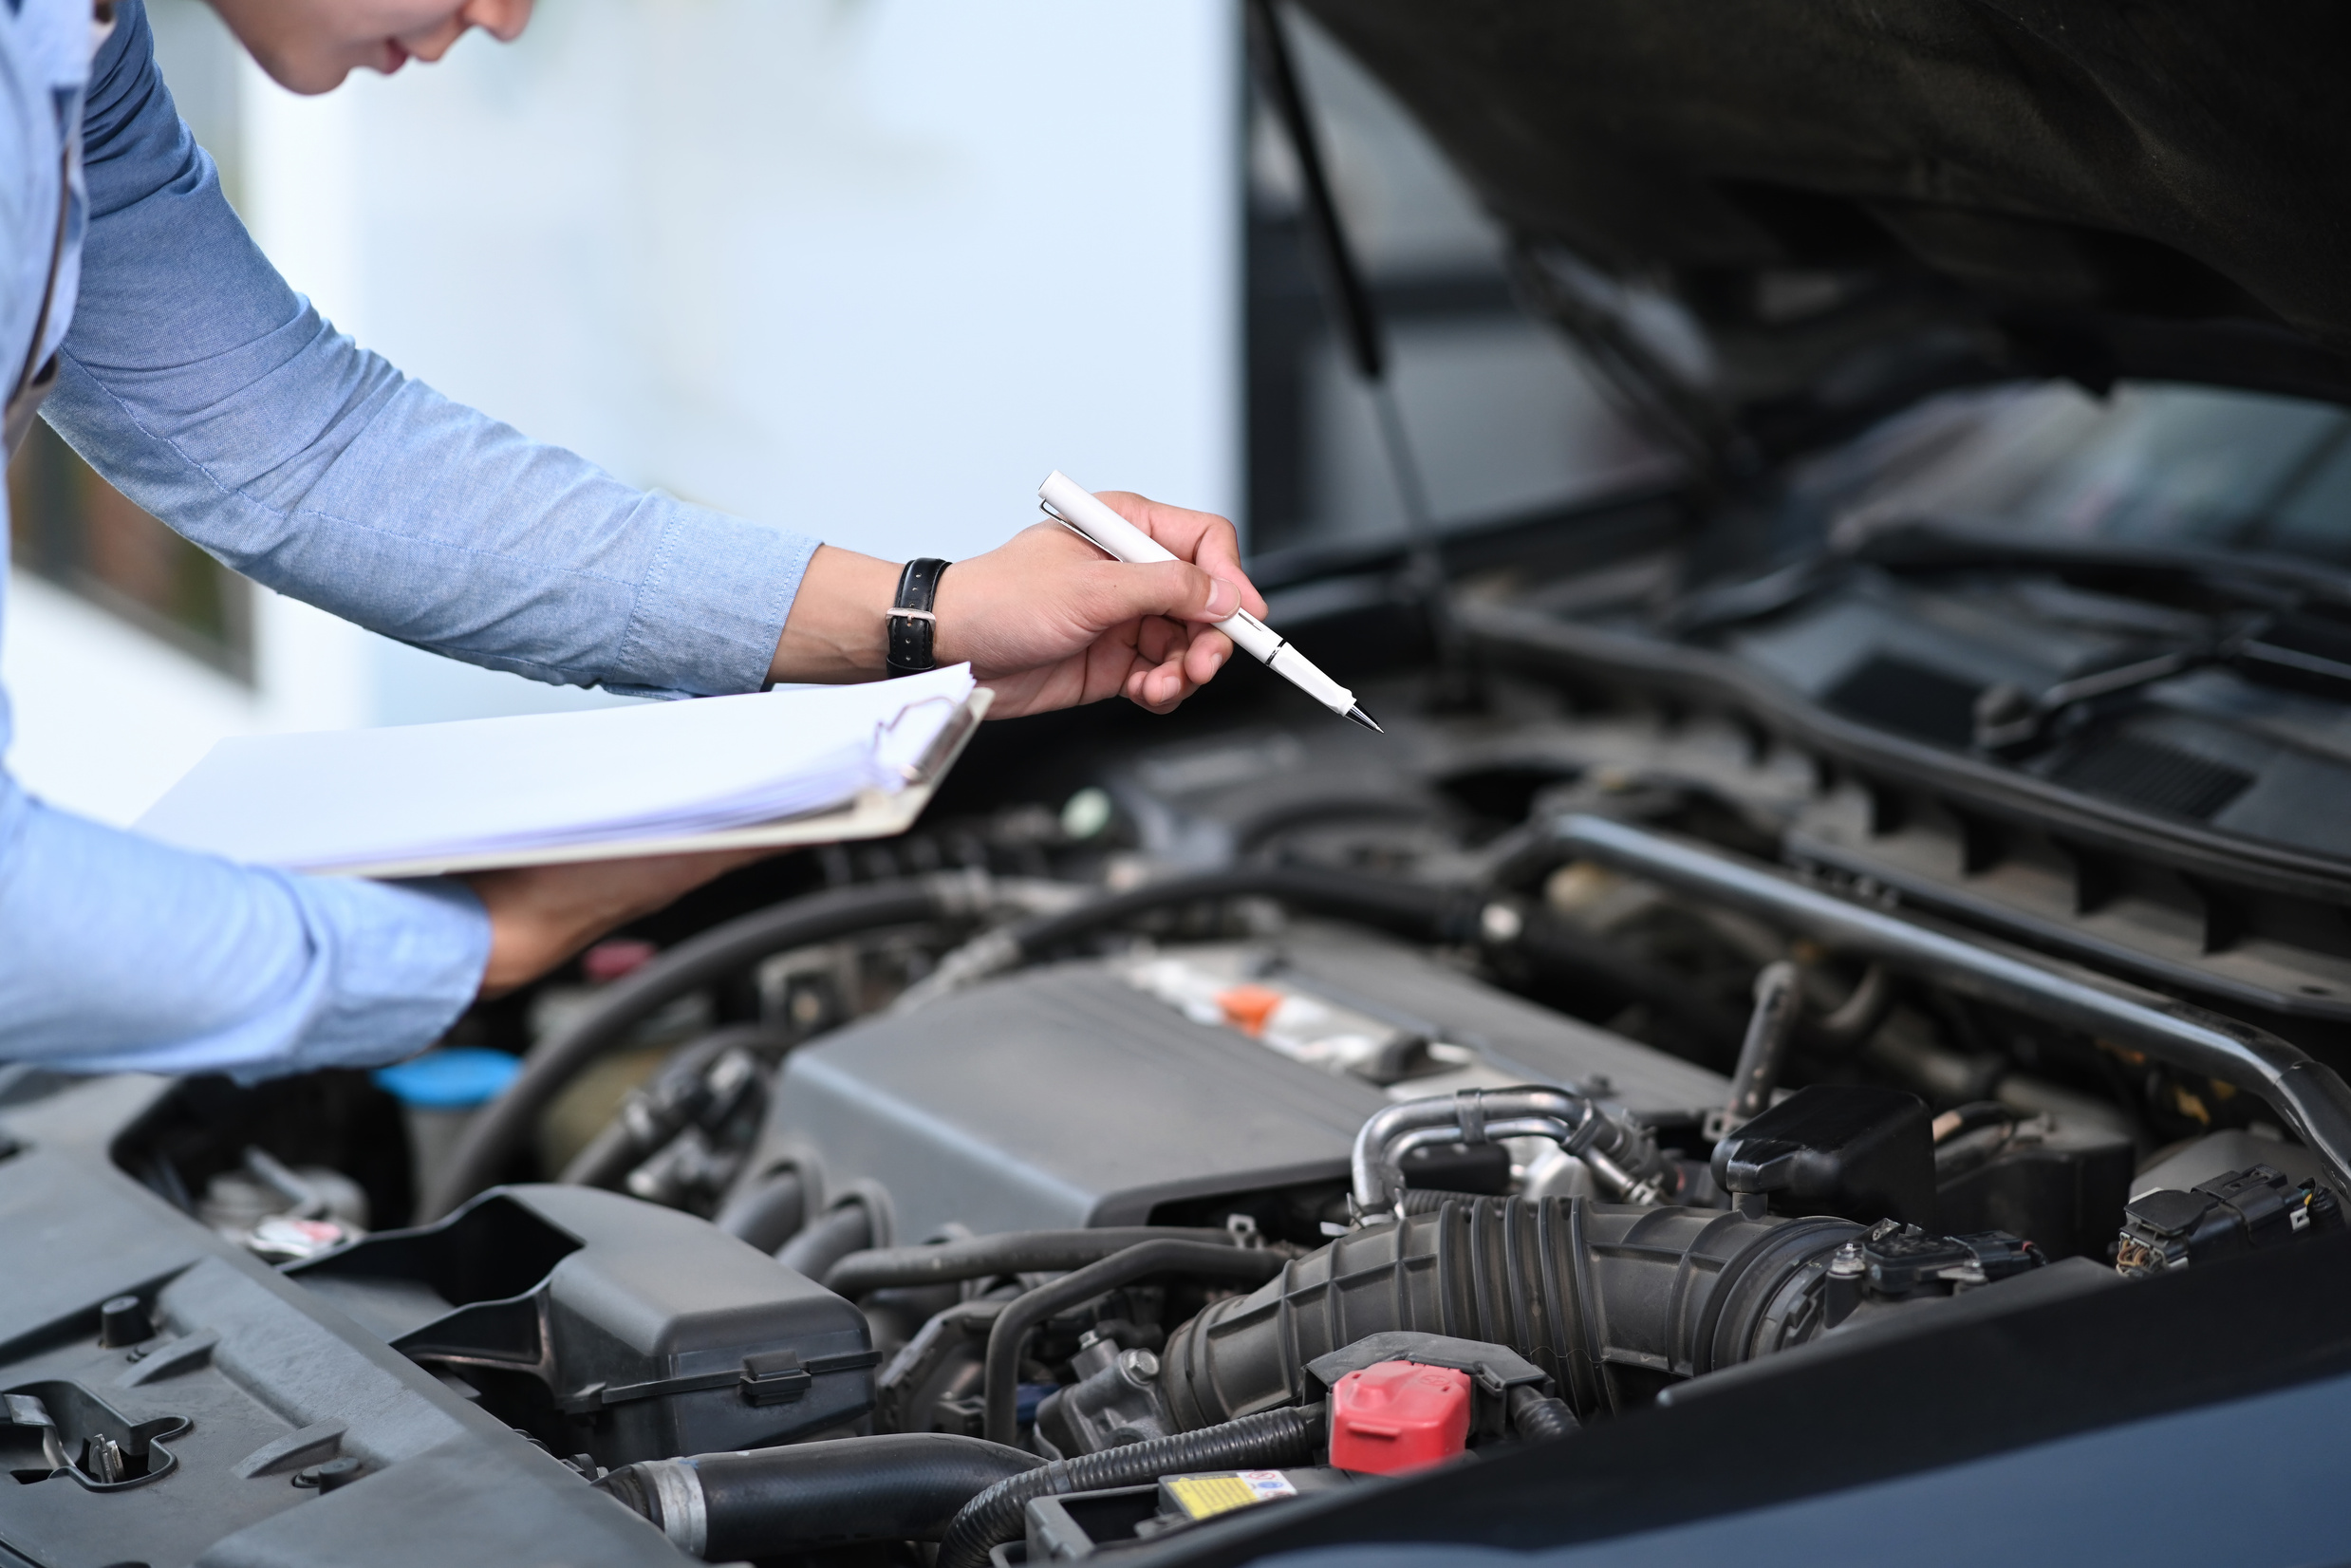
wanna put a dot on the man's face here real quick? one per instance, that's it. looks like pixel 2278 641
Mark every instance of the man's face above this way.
pixel 310 46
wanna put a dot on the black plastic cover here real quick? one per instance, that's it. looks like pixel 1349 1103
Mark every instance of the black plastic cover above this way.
pixel 610 1327
pixel 1853 1150
pixel 247 1383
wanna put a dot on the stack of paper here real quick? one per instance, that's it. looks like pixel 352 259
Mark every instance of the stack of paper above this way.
pixel 557 786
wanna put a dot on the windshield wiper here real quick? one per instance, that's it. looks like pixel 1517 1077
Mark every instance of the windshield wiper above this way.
pixel 2276 583
pixel 2008 719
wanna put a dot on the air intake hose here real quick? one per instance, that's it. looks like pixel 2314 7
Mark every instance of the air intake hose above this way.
pixel 1613 1301
pixel 766 1502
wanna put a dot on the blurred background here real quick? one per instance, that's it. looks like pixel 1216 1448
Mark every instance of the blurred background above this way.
pixel 863 268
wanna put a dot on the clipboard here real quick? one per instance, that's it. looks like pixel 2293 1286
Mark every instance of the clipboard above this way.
pixel 873 814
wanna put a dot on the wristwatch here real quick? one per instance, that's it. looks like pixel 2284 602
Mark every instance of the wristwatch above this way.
pixel 911 622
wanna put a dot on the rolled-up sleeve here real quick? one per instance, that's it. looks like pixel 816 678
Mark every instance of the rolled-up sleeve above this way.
pixel 217 399
pixel 210 393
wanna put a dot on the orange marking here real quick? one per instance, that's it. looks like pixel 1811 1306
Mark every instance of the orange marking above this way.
pixel 1247 1007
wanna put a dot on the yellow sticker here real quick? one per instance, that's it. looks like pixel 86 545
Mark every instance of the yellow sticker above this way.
pixel 1205 1496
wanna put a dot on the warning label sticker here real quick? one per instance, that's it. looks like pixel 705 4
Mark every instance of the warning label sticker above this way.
pixel 1222 1491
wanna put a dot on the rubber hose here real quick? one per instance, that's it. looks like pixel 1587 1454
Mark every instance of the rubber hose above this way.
pixel 502 1126
pixel 768 1213
pixel 1412 910
pixel 1537 1417
pixel 768 1502
pixel 1268 1440
pixel 844 1232
pixel 1013 1252
pixel 1197 1260
pixel 1857 1016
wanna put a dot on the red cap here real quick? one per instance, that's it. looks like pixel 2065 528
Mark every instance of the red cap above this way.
pixel 1398 1415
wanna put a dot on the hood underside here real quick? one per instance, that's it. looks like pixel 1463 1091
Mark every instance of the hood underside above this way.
pixel 2095 190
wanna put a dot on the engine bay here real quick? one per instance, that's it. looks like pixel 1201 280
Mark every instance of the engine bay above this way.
pixel 1281 1116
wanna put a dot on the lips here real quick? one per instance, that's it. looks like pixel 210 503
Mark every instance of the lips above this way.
pixel 394 56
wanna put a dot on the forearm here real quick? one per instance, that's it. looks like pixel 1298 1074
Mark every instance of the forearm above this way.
pixel 209 392
pixel 118 954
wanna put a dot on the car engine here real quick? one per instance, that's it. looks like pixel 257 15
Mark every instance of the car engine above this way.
pixel 1281 1109
pixel 1819 1027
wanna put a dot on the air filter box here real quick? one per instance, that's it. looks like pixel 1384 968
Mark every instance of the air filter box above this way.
pixel 606 1326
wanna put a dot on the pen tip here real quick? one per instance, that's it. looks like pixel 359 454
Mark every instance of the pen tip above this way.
pixel 1365 719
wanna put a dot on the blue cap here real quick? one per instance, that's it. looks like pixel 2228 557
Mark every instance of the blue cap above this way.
pixel 458 1078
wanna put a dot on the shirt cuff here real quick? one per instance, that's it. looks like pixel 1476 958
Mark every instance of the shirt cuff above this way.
pixel 712 608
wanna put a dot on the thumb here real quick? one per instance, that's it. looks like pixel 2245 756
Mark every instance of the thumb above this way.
pixel 1176 589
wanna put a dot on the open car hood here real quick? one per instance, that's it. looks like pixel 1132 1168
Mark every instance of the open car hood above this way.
pixel 1850 199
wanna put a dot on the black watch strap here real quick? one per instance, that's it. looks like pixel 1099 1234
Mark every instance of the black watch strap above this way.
pixel 911 622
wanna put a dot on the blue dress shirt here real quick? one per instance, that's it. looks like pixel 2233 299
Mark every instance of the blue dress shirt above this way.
pixel 214 396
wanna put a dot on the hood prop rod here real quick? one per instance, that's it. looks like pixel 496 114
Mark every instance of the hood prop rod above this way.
pixel 1424 582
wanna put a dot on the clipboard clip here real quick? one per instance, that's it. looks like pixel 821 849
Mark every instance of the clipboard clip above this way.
pixel 943 746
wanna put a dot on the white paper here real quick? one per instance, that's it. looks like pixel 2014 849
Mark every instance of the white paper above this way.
pixel 360 797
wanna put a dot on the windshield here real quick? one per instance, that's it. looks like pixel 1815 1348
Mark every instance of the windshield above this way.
pixel 2150 463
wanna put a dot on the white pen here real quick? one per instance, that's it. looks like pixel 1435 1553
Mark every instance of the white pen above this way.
pixel 1075 508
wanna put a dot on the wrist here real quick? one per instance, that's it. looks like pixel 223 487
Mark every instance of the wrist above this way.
pixel 838 630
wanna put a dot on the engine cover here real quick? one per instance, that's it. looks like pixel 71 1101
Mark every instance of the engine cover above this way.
pixel 1093 1092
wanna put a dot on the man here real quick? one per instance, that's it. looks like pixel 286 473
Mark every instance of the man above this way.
pixel 172 357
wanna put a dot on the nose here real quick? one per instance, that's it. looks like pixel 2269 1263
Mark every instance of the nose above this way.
pixel 501 19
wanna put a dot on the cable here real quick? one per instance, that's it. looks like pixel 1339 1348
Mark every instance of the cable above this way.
pixel 1268 1440
pixel 1198 1259
pixel 986 1257
pixel 501 1127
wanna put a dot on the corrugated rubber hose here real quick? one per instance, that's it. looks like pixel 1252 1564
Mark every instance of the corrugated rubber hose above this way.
pixel 1266 1441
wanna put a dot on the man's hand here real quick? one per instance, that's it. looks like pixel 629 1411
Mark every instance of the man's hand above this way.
pixel 1045 620
pixel 541 915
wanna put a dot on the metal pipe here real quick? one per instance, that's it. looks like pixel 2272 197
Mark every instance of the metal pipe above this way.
pixel 1616 1152
pixel 2308 1096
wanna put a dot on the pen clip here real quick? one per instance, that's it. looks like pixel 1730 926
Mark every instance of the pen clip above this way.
pixel 1047 508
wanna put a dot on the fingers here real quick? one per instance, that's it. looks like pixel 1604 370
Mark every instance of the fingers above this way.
pixel 1159 687
pixel 540 915
pixel 1203 538
pixel 1177 589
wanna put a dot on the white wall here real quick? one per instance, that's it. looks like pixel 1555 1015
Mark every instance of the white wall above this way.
pixel 865 268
